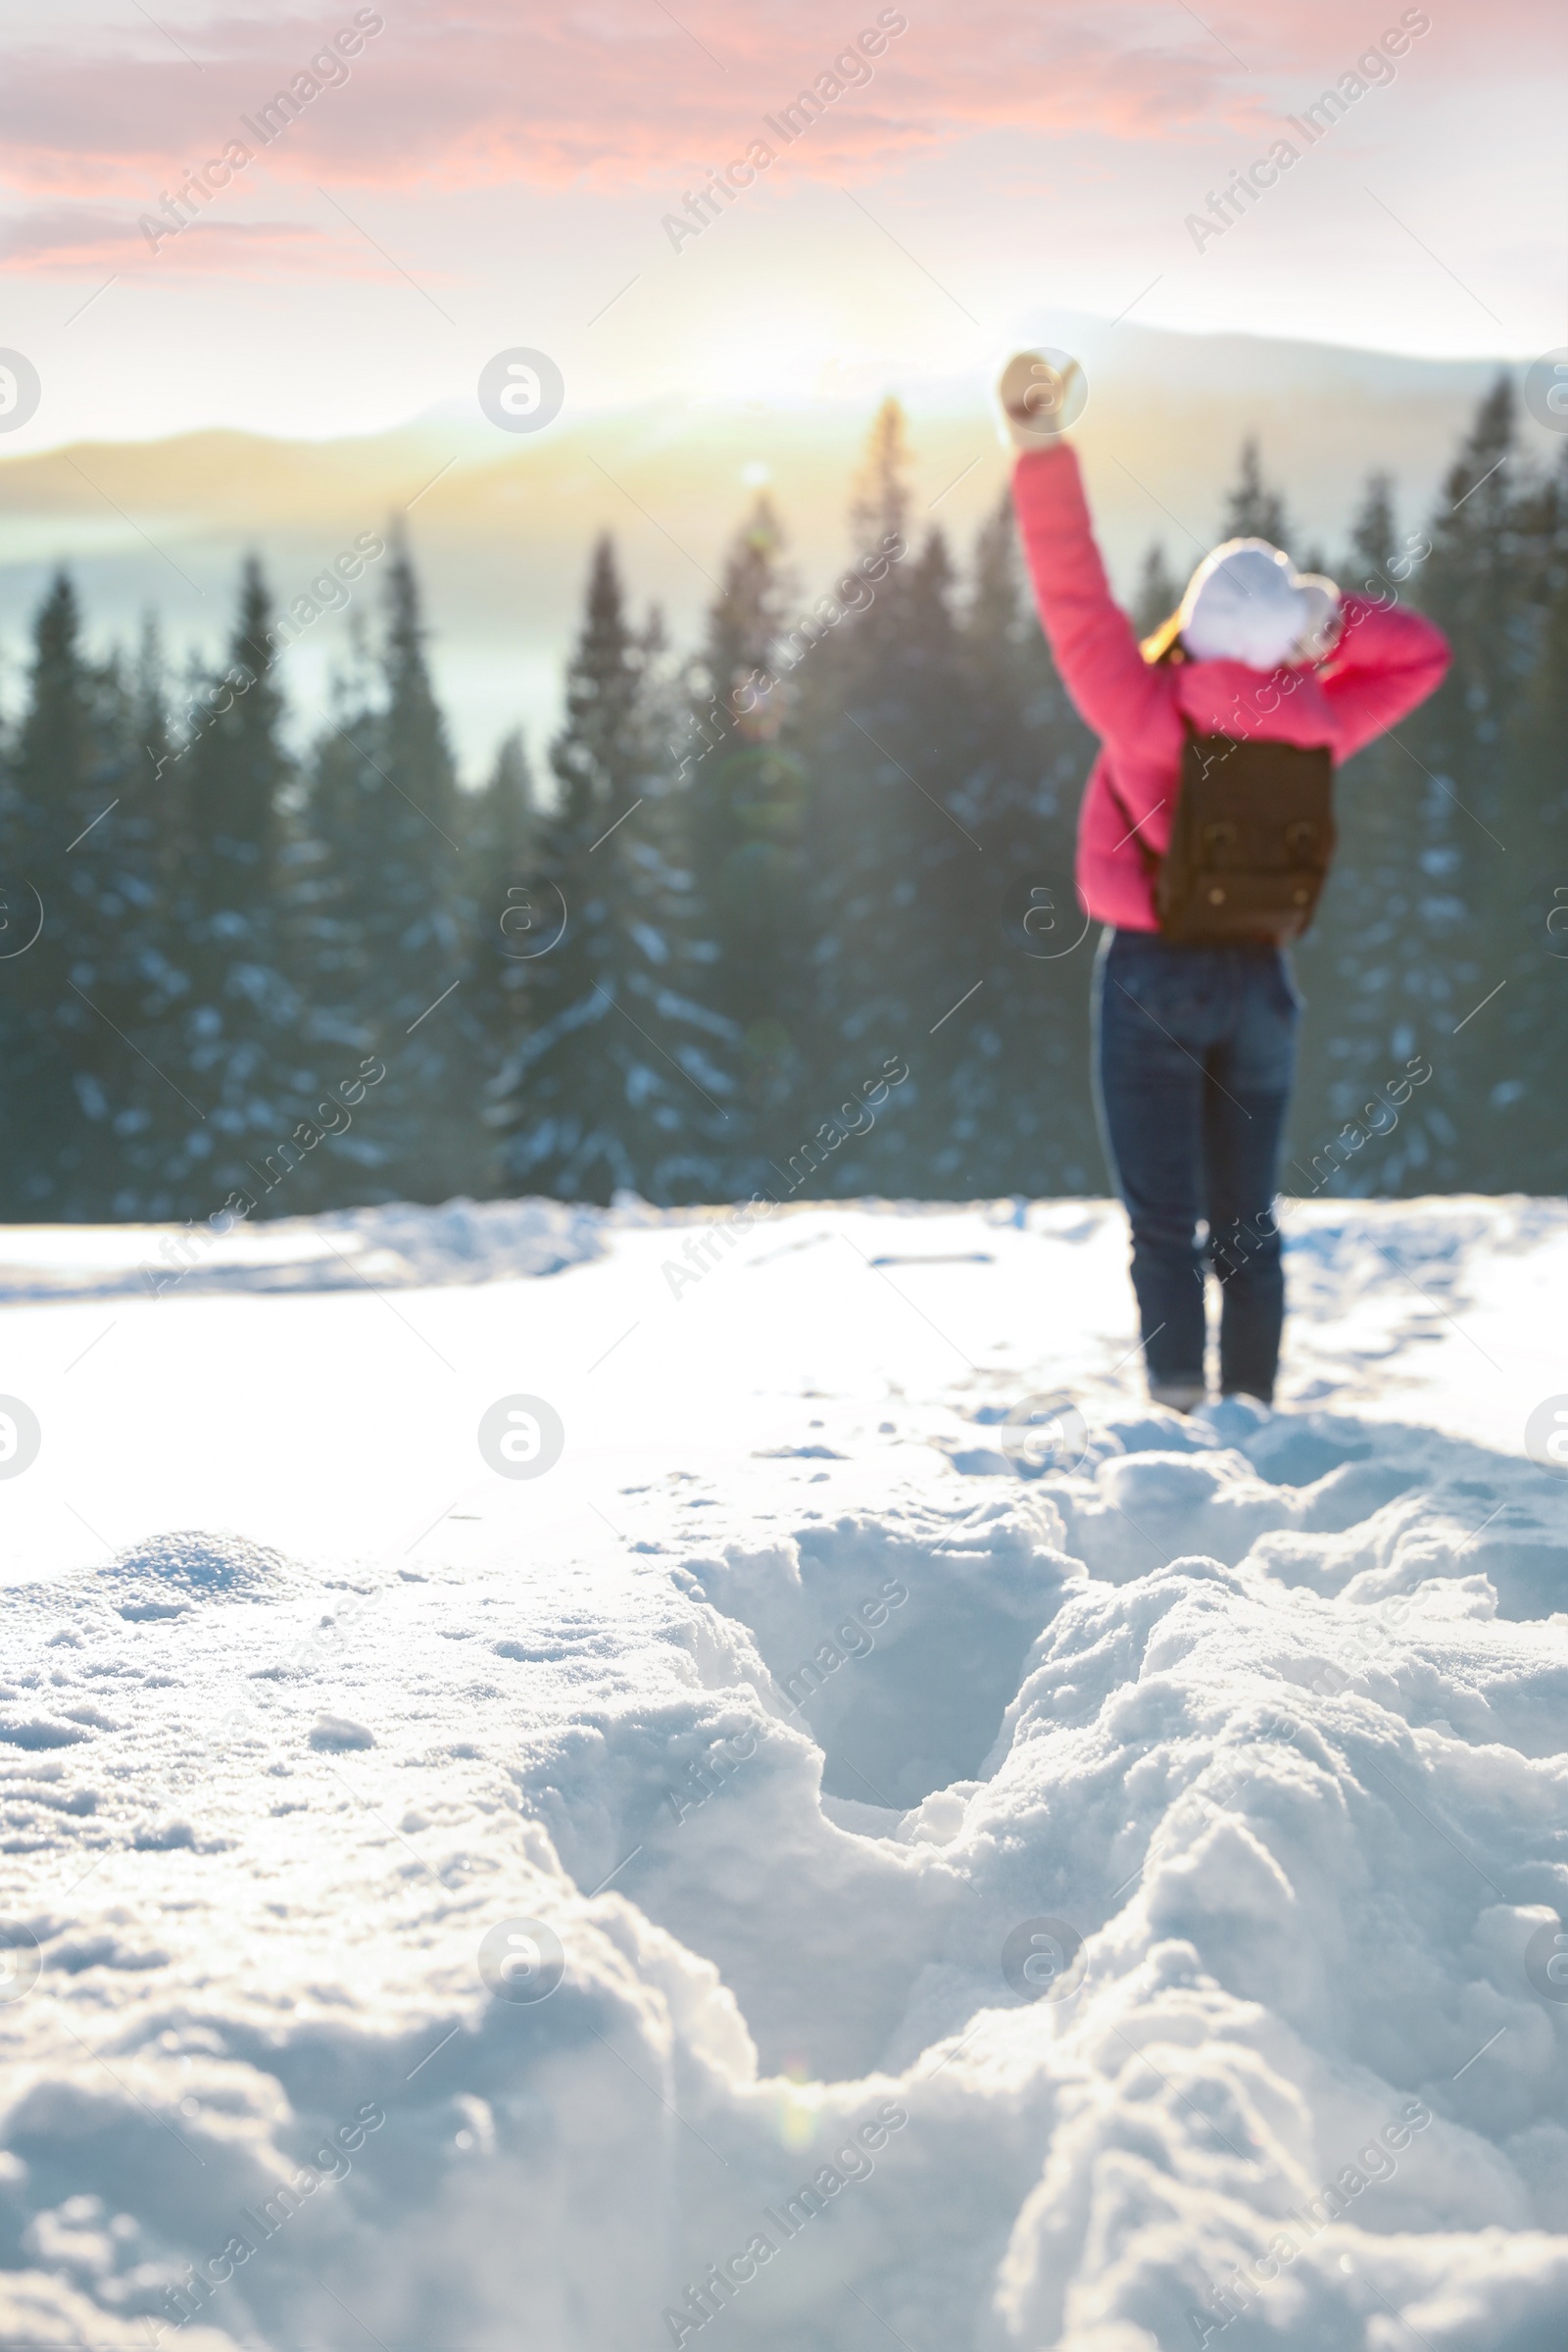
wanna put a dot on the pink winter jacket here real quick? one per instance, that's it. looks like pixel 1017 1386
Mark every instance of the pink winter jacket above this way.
pixel 1387 661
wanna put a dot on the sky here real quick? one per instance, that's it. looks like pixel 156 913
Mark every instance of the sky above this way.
pixel 454 184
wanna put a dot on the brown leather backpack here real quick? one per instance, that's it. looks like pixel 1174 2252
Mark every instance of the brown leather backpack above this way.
pixel 1250 842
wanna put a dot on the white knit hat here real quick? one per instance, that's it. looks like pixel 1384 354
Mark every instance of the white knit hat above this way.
pixel 1245 603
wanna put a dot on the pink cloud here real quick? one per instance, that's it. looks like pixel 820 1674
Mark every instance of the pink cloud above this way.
pixel 66 237
pixel 615 94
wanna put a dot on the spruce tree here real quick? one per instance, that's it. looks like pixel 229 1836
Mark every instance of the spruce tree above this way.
pixel 1372 539
pixel 78 887
pixel 741 808
pixel 1159 592
pixel 382 814
pixel 926 945
pixel 1478 591
pixel 138 979
pixel 224 1021
pixel 1510 627
pixel 1523 1141
pixel 877 734
pixel 501 929
pixel 614 1085
pixel 1254 508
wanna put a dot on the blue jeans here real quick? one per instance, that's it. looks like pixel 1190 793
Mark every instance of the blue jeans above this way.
pixel 1195 1049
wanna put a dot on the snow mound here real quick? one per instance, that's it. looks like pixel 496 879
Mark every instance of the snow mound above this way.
pixel 198 1562
pixel 399 1246
pixel 165 1576
pixel 873 1896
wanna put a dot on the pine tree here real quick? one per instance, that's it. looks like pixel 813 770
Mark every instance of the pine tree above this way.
pixel 407 922
pixel 137 981
pixel 881 501
pixel 1477 590
pixel 615 1084
pixel 1253 508
pixel 741 810
pixel 1158 593
pixel 916 961
pixel 1523 1141
pixel 47 783
pixel 1498 1061
pixel 79 881
pixel 876 832
pixel 870 642
pixel 882 739
pixel 497 821
pixel 227 1036
pixel 502 931
pixel 1372 538
pixel 380 903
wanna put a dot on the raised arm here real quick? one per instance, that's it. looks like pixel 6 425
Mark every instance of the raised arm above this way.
pixel 1114 689
pixel 1388 660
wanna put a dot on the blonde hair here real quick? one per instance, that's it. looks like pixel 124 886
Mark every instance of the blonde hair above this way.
pixel 1164 643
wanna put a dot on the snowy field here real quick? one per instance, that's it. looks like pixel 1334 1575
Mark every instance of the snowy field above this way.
pixel 883 1838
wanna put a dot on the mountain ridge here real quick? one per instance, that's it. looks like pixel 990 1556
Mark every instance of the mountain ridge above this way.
pixel 502 526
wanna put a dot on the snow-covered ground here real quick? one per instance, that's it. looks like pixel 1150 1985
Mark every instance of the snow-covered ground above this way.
pixel 844 1854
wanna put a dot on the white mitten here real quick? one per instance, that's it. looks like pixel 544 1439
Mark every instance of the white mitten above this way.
pixel 1041 393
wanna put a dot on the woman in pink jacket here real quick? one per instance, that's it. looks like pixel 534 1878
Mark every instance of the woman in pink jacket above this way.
pixel 1194 1043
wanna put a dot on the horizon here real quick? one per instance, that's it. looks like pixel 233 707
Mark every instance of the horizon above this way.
pixel 930 394
pixel 502 525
